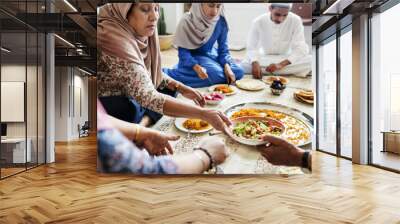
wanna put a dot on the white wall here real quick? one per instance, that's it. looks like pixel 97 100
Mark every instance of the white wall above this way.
pixel 14 73
pixel 33 126
pixel 71 93
pixel 238 15
pixel 172 14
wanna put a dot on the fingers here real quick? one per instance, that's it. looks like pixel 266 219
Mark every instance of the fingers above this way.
pixel 202 102
pixel 257 74
pixel 220 125
pixel 228 131
pixel 268 157
pixel 173 137
pixel 169 148
pixel 200 98
pixel 224 118
pixel 203 75
pixel 233 78
pixel 273 140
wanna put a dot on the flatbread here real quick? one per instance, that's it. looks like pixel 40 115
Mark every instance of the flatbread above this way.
pixel 250 84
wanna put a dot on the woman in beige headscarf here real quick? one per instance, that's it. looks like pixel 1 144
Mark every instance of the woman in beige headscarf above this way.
pixel 129 68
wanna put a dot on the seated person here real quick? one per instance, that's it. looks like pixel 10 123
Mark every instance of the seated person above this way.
pixel 119 151
pixel 129 69
pixel 200 63
pixel 276 44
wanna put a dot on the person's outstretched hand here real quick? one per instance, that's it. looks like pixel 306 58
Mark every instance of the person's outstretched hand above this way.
pixel 192 94
pixel 155 142
pixel 281 152
pixel 217 119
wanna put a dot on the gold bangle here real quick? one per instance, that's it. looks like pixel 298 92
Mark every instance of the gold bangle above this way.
pixel 177 85
pixel 137 132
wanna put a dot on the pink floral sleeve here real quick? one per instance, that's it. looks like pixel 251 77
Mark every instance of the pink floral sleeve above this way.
pixel 118 77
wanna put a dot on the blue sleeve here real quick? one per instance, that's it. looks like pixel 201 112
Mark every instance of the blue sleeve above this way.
pixel 119 155
pixel 224 56
pixel 185 58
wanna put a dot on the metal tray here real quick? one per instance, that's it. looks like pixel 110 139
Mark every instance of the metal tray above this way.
pixel 307 120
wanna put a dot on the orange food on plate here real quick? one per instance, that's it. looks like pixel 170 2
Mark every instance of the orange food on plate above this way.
pixel 195 124
pixel 223 89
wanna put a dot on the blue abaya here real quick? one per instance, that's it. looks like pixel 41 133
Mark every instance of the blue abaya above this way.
pixel 209 57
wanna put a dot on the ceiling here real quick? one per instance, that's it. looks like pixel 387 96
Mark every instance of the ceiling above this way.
pixel 329 16
pixel 22 20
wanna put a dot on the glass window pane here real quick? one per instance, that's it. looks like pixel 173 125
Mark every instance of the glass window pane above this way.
pixel 41 98
pixel 386 89
pixel 13 85
pixel 327 97
pixel 31 97
pixel 346 94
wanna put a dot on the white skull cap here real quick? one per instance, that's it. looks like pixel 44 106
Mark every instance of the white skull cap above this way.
pixel 281 5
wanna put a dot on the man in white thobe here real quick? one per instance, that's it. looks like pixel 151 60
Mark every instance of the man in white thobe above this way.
pixel 276 44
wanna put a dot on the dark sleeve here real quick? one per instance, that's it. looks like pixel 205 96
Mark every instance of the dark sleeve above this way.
pixel 224 56
pixel 185 58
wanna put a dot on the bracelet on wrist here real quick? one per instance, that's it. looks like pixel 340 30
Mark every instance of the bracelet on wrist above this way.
pixel 201 158
pixel 208 155
pixel 177 85
pixel 137 132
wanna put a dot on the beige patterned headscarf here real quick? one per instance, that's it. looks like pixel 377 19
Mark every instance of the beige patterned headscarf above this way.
pixel 116 37
pixel 195 28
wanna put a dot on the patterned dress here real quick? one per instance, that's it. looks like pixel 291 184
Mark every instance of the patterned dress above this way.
pixel 127 92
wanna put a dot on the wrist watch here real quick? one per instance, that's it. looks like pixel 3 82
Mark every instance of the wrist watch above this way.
pixel 306 162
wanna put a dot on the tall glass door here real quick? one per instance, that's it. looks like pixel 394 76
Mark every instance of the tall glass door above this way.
pixel 326 135
pixel 22 88
pixel 346 93
pixel 385 89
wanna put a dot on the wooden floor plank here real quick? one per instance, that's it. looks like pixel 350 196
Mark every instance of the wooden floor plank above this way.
pixel 71 191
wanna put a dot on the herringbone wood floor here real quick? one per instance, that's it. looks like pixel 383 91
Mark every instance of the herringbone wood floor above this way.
pixel 70 191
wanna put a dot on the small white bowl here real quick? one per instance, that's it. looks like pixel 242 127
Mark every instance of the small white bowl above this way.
pixel 214 102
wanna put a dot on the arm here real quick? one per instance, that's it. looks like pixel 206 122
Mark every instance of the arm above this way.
pixel 120 77
pixel 252 47
pixel 169 83
pixel 299 45
pixel 252 44
pixel 118 154
pixel 185 58
pixel 176 108
pixel 224 56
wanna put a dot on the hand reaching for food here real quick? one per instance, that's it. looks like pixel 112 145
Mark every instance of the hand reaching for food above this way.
pixel 280 152
pixel 156 143
pixel 273 67
pixel 230 76
pixel 201 72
